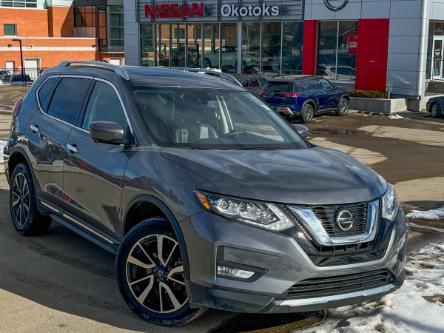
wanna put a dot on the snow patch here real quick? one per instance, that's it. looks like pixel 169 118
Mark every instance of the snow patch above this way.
pixel 2 145
pixel 395 116
pixel 432 214
pixel 408 309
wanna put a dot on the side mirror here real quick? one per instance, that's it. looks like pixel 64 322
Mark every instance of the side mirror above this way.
pixel 107 132
pixel 300 129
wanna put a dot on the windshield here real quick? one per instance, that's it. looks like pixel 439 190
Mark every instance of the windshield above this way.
pixel 213 119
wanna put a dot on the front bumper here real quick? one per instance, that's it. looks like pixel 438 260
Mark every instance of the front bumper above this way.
pixel 280 263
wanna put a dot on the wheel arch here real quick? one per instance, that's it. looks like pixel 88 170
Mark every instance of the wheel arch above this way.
pixel 16 157
pixel 167 214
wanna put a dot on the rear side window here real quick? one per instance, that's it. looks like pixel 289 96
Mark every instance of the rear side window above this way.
pixel 68 99
pixel 278 87
pixel 315 84
pixel 45 91
pixel 104 105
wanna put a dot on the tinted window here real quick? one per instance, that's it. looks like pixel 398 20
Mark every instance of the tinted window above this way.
pixel 325 84
pixel 278 87
pixel 45 91
pixel 104 105
pixel 68 98
pixel 254 83
pixel 315 84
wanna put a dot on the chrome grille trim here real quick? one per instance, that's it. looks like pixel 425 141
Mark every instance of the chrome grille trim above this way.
pixel 307 217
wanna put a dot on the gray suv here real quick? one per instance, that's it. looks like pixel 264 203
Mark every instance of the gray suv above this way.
pixel 208 198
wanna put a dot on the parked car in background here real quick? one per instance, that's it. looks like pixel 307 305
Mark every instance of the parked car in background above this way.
pixel 343 73
pixel 304 96
pixel 253 83
pixel 16 79
pixel 435 106
pixel 208 197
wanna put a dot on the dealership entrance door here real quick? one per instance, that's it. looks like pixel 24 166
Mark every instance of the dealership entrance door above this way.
pixel 438 57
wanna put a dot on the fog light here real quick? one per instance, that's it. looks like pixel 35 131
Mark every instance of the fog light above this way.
pixel 234 272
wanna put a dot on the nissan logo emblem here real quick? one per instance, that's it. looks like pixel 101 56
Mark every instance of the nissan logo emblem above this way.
pixel 345 220
pixel 335 5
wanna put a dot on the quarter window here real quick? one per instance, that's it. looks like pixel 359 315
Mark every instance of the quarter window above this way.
pixel 104 105
pixel 67 101
pixel 45 91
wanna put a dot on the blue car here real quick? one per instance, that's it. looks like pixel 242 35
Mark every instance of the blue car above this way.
pixel 304 96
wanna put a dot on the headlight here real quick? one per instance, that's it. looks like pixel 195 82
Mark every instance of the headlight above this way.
pixel 390 203
pixel 264 215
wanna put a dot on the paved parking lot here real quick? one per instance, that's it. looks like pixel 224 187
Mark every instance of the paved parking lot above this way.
pixel 61 281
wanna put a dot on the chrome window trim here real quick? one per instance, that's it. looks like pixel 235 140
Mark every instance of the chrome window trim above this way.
pixel 339 297
pixel 348 266
pixel 88 78
pixel 311 222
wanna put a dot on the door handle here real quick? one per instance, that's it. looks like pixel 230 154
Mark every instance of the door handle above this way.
pixel 34 128
pixel 72 148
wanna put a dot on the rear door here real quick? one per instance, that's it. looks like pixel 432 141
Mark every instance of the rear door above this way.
pixel 318 93
pixel 94 172
pixel 61 101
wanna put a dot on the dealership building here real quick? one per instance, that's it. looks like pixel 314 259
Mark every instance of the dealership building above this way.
pixel 394 45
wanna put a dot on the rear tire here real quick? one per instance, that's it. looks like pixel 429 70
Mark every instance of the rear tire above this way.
pixel 307 112
pixel 151 277
pixel 343 106
pixel 25 217
pixel 435 110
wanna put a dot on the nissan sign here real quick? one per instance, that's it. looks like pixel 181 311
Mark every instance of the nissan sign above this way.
pixel 231 10
pixel 175 10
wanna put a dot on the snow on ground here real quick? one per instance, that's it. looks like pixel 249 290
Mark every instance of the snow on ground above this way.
pixel 418 306
pixel 2 144
pixel 433 214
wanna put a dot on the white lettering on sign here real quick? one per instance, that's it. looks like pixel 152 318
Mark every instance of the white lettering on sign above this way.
pixel 228 10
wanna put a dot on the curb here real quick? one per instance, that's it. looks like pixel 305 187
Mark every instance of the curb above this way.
pixel 6 113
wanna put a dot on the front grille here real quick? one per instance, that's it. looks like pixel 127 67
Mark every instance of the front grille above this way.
pixel 328 214
pixel 342 284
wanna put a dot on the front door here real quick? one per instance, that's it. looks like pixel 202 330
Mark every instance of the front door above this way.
pixel 437 57
pixel 32 68
pixel 93 172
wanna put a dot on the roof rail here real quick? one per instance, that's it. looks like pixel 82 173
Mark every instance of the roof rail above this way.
pixel 119 70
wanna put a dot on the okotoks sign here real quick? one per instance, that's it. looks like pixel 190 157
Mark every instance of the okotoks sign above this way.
pixel 250 10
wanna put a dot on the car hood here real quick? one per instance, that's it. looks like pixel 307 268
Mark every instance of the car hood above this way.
pixel 302 176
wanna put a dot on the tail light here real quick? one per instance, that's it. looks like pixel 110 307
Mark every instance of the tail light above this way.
pixel 295 94
pixel 16 108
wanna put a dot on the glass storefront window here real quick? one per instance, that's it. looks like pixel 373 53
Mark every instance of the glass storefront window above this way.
pixel 271 47
pixel 163 45
pixel 215 45
pixel 228 47
pixel 251 40
pixel 147 45
pixel 194 49
pixel 328 33
pixel 211 46
pixel 347 46
pixel 292 48
pixel 337 50
pixel 178 33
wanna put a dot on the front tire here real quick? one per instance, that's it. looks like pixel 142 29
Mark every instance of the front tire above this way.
pixel 307 112
pixel 26 219
pixel 343 106
pixel 150 275
pixel 435 110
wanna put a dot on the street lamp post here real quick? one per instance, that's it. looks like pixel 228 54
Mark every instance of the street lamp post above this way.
pixel 21 59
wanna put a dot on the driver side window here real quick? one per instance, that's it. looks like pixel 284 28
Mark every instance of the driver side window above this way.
pixel 104 105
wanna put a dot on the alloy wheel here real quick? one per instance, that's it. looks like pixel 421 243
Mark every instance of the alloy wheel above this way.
pixel 343 105
pixel 155 275
pixel 308 112
pixel 20 200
